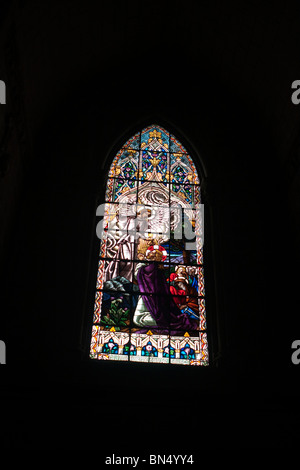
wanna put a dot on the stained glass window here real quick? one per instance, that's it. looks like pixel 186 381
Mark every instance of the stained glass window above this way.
pixel 150 295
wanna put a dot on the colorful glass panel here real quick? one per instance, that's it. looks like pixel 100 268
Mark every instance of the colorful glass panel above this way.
pixel 150 295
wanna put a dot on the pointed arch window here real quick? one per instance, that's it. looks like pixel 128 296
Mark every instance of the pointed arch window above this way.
pixel 150 297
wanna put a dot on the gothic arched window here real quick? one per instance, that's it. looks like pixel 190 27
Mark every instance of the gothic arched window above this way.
pixel 149 304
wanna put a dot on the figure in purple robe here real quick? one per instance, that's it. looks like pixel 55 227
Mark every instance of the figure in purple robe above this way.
pixel 156 307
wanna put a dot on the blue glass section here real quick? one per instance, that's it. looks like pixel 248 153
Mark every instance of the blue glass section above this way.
pixel 178 254
pixel 176 146
pixel 169 351
pixel 154 137
pixel 129 349
pixel 187 352
pixel 149 350
pixel 110 347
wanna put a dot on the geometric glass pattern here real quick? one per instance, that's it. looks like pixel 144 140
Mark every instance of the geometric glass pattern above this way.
pixel 150 293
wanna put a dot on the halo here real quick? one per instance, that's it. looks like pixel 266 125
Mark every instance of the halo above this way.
pixel 157 248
